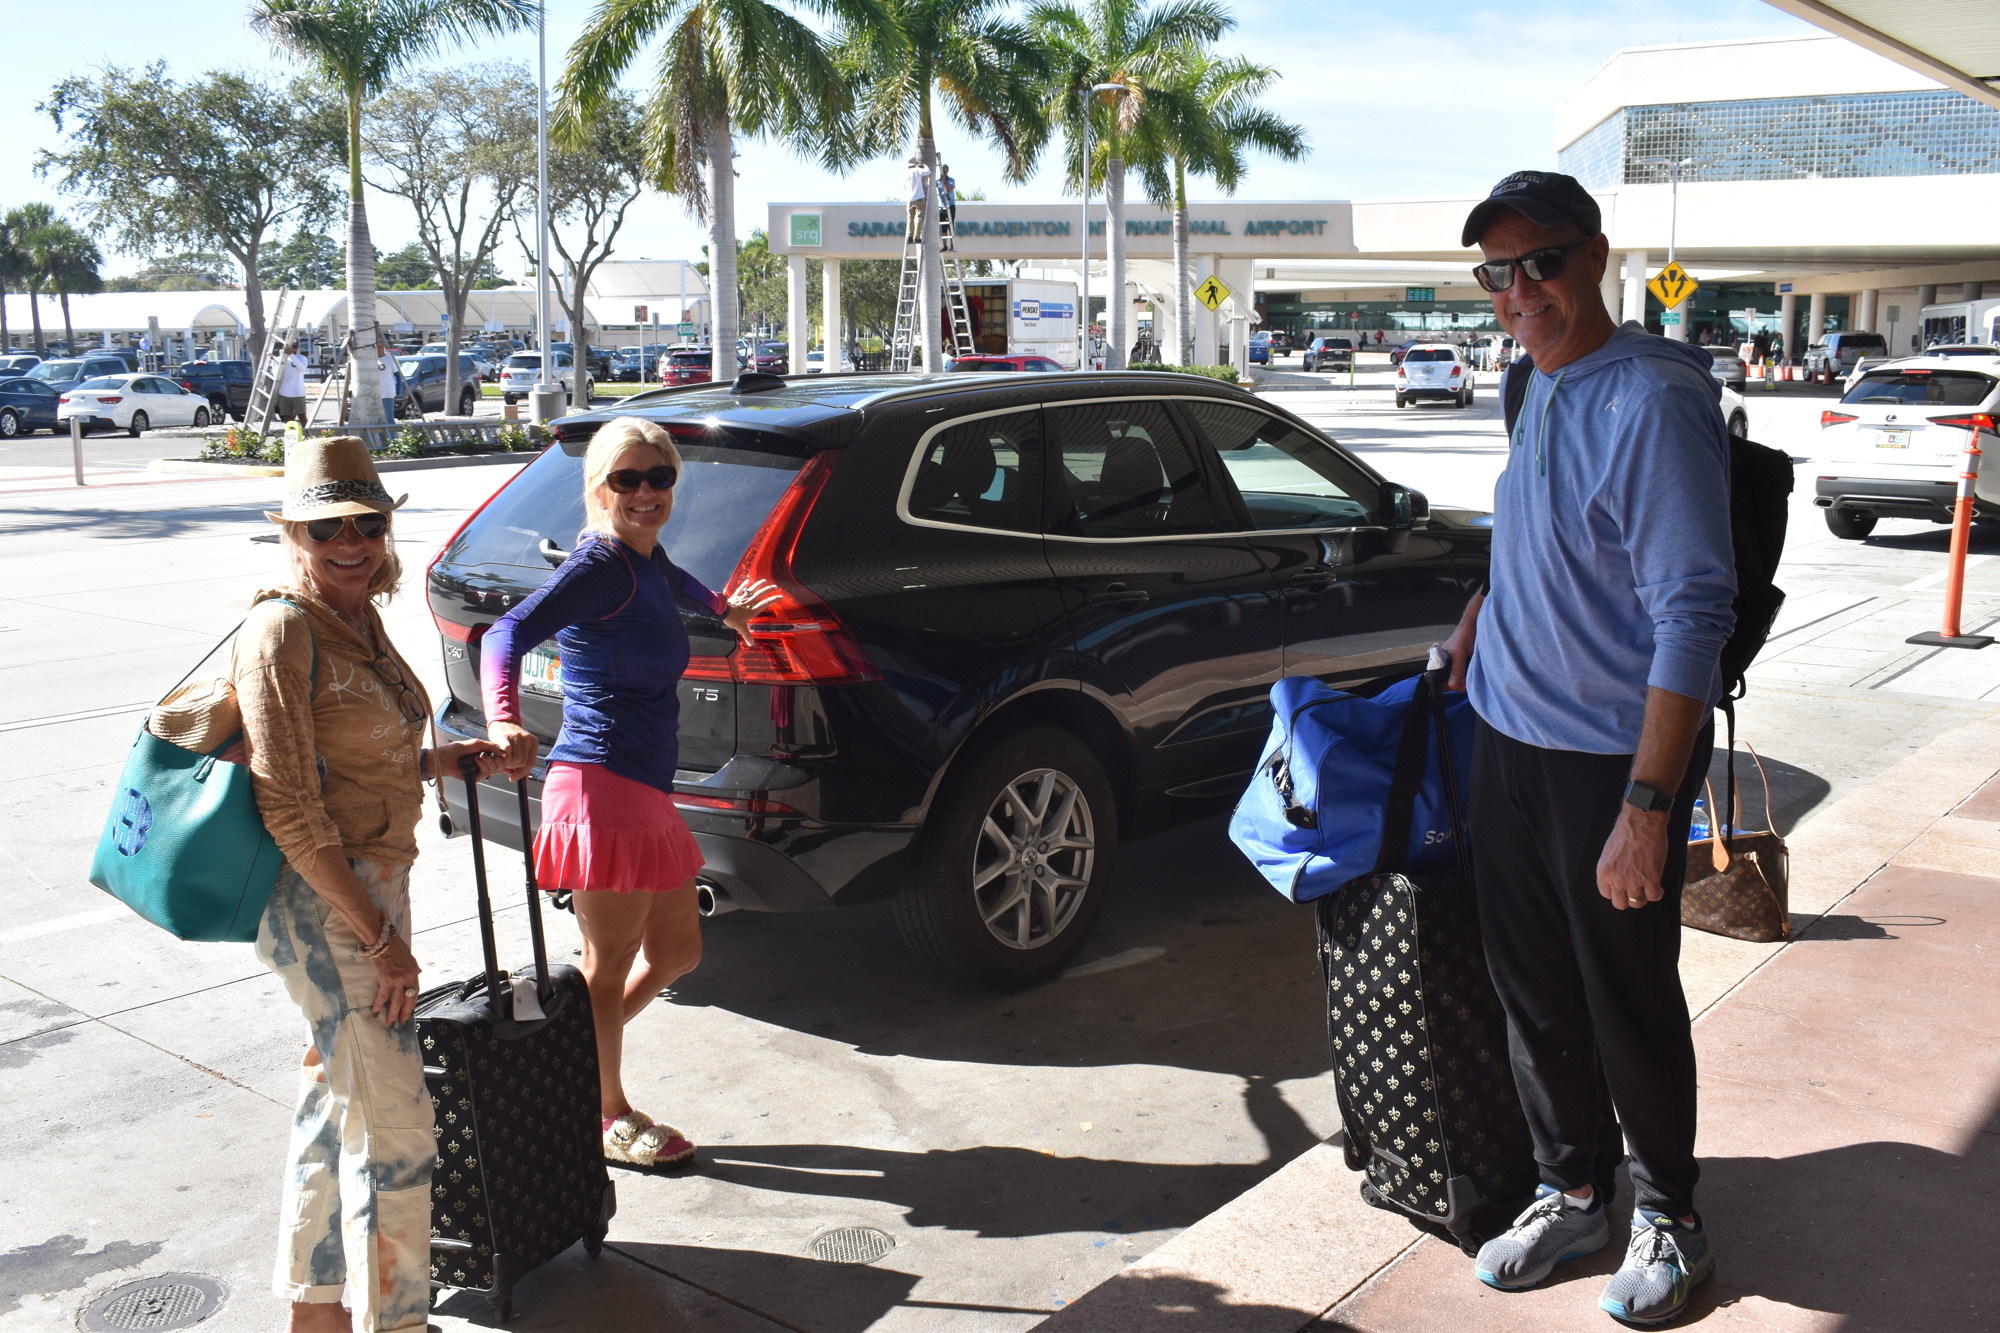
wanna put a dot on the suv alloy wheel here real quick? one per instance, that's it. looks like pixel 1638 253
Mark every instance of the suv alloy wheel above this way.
pixel 1014 861
pixel 1850 524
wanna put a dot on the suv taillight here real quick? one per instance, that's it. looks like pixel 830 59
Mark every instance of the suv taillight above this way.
pixel 797 639
pixel 1972 421
pixel 1833 418
pixel 1454 371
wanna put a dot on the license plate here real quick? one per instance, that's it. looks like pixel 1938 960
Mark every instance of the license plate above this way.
pixel 1892 439
pixel 541 671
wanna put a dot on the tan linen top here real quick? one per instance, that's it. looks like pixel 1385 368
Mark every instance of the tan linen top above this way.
pixel 370 797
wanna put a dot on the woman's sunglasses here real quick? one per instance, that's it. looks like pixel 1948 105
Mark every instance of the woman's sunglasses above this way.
pixel 1497 275
pixel 371 527
pixel 625 480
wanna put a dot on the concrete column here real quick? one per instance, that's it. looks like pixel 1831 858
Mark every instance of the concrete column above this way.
pixel 1870 299
pixel 1788 324
pixel 1239 275
pixel 1204 323
pixel 1635 286
pixel 829 309
pixel 1815 322
pixel 1973 291
pixel 1926 296
pixel 797 332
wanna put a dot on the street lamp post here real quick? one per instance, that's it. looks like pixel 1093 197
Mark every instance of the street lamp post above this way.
pixel 1083 306
pixel 544 400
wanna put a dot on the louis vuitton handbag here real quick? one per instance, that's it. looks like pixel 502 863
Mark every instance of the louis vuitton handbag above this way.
pixel 1737 881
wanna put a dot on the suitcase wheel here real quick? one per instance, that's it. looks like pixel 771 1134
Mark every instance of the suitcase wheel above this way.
pixel 502 1302
pixel 593 1244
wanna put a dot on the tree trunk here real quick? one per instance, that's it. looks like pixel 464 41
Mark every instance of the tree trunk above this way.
pixel 454 305
pixel 367 389
pixel 930 262
pixel 35 311
pixel 1183 270
pixel 253 294
pixel 1116 312
pixel 6 342
pixel 69 334
pixel 722 294
pixel 579 332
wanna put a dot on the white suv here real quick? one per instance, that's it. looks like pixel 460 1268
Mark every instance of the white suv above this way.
pixel 1434 370
pixel 524 372
pixel 1895 445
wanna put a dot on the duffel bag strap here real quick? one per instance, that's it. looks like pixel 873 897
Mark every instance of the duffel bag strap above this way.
pixel 1408 778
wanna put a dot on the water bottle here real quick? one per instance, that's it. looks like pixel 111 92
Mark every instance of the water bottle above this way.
pixel 1698 828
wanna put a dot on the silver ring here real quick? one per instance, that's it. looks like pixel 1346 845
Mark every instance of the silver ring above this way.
pixel 410 992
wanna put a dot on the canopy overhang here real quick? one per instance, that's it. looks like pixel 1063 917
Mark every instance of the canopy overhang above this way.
pixel 1955 42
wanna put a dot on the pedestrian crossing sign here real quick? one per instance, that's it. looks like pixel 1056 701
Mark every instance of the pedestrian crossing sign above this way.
pixel 1211 293
pixel 1672 285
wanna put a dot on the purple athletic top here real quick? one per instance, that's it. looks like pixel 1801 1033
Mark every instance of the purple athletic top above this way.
pixel 616 619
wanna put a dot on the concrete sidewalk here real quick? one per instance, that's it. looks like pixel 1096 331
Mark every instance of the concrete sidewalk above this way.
pixel 1850 1118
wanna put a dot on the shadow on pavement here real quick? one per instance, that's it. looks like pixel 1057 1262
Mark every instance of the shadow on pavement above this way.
pixel 1013 1192
pixel 1795 792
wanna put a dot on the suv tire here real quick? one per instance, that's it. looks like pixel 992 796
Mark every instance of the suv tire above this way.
pixel 1850 524
pixel 466 398
pixel 1402 400
pixel 944 917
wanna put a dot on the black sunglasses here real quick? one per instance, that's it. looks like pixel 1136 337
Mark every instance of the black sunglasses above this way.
pixel 625 480
pixel 408 703
pixel 1497 275
pixel 369 526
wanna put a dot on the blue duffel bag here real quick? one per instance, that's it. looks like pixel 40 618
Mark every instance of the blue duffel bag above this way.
pixel 1347 785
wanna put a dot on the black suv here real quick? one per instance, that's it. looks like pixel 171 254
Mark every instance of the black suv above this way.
pixel 424 385
pixel 1322 353
pixel 226 385
pixel 1025 618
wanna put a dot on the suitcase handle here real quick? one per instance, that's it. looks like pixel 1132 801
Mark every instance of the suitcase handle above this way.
pixel 504 1022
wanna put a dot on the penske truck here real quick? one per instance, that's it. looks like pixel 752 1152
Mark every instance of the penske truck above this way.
pixel 1023 317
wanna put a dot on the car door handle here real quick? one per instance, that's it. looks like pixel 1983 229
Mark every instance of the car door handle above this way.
pixel 1311 580
pixel 1119 594
pixel 552 553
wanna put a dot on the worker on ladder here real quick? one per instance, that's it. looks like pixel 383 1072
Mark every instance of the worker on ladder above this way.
pixel 914 190
pixel 947 207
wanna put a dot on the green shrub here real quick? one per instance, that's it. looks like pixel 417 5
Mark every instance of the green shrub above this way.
pixel 409 442
pixel 1226 374
pixel 514 439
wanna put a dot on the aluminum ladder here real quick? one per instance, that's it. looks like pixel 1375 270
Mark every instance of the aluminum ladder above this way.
pixel 270 370
pixel 903 341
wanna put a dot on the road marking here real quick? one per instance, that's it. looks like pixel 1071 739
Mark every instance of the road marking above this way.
pixel 59 718
pixel 1145 953
pixel 56 925
pixel 1934 580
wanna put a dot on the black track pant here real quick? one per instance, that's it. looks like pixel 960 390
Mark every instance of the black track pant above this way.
pixel 1593 994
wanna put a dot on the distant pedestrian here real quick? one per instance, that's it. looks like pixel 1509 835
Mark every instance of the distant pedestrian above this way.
pixel 333 724
pixel 1593 664
pixel 916 178
pixel 948 205
pixel 611 833
pixel 290 401
pixel 392 385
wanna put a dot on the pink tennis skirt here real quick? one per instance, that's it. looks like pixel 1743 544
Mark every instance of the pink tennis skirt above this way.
pixel 601 831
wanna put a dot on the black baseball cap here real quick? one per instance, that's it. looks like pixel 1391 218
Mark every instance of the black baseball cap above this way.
pixel 1545 198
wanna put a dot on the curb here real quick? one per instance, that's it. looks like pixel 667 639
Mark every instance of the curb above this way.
pixel 202 467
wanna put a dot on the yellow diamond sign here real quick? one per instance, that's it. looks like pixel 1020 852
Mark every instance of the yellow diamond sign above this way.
pixel 1672 285
pixel 1211 293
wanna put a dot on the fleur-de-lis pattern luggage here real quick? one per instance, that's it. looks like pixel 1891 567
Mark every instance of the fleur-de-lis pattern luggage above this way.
pixel 1427 1099
pixel 511 1062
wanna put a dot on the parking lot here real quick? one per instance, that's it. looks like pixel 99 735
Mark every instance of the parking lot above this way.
pixel 1014 1150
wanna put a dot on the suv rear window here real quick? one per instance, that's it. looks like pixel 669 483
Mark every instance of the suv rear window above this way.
pixel 1859 341
pixel 1430 354
pixel 1932 388
pixel 725 491
pixel 525 361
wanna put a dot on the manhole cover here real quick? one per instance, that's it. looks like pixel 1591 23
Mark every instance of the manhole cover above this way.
pixel 852 1245
pixel 172 1300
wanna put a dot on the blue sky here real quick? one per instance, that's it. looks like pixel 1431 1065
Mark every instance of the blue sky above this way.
pixel 1400 100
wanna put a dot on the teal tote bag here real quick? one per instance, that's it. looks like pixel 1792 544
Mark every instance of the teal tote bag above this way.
pixel 184 846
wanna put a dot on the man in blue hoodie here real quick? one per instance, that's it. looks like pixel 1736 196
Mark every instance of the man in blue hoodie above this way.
pixel 1592 665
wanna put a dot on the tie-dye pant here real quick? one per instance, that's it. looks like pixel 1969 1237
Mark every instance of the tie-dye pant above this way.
pixel 357 1201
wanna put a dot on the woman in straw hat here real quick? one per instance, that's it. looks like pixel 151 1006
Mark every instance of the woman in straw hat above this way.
pixel 611 834
pixel 334 721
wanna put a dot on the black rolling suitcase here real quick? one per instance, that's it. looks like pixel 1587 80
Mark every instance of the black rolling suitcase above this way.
pixel 1428 1107
pixel 511 1062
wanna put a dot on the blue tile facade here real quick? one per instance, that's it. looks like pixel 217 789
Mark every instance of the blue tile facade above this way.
pixel 1933 133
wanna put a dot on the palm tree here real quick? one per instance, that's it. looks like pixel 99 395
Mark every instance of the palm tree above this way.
pixel 13 271
pixel 992 74
pixel 1122 43
pixel 358 46
pixel 68 261
pixel 726 66
pixel 28 225
pixel 1214 119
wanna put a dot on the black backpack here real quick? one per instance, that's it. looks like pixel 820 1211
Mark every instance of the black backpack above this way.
pixel 1760 486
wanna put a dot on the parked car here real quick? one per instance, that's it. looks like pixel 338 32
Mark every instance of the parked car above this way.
pixel 1041 365
pixel 1015 632
pixel 524 371
pixel 627 363
pixel 134 403
pixel 687 365
pixel 1728 368
pixel 1260 349
pixel 1434 370
pixel 65 373
pixel 225 384
pixel 772 358
pixel 596 360
pixel 1895 446
pixel 426 383
pixel 1328 354
pixel 1975 350
pixel 1835 355
pixel 18 363
pixel 1401 350
pixel 1282 342
pixel 1734 417
pixel 26 406
pixel 816 362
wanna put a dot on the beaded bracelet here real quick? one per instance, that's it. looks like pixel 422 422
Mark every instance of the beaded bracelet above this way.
pixel 381 946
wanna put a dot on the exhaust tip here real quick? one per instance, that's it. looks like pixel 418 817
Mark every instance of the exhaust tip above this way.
pixel 712 899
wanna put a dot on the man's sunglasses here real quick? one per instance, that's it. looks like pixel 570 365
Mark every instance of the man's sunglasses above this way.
pixel 370 526
pixel 625 480
pixel 1497 275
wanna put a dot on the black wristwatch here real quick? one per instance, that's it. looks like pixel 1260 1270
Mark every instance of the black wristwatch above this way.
pixel 1645 796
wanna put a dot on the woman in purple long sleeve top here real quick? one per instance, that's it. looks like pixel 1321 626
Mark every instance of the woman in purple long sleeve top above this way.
pixel 611 834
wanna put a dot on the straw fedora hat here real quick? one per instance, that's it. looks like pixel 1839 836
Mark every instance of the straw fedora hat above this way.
pixel 332 477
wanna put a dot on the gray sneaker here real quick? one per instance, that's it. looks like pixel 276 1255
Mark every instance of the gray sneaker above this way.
pixel 1549 1232
pixel 1664 1263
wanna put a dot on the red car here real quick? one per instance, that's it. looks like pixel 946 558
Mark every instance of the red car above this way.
pixel 984 362
pixel 688 366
